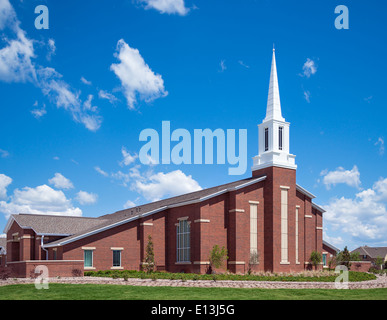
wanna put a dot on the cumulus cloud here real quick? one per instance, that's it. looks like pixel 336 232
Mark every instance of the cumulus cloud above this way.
pixel 61 182
pixel 5 181
pixel 167 6
pixel 137 79
pixel 362 217
pixel 84 197
pixel 309 68
pixel 40 200
pixel 340 175
pixel 161 185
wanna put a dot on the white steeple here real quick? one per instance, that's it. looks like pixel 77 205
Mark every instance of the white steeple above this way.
pixel 274 131
pixel 273 109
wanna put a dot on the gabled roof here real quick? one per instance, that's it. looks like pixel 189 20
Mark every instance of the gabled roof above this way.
pixel 128 215
pixel 53 224
pixel 372 252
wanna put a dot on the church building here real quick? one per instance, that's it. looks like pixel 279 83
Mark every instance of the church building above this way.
pixel 267 216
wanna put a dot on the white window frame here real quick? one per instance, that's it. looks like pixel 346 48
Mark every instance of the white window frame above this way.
pixel 120 251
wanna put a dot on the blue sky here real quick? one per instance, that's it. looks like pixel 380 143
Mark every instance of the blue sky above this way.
pixel 74 99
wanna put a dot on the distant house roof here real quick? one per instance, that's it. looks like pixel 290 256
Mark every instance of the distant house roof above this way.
pixel 3 245
pixel 372 252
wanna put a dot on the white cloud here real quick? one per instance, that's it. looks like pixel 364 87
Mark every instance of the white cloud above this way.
pixel 128 158
pixel 17 65
pixel 222 65
pixel 40 200
pixel 5 181
pixel 307 96
pixel 84 197
pixel 309 68
pixel 64 97
pixel 100 171
pixel 348 177
pixel 108 96
pixel 86 82
pixel 51 49
pixel 380 143
pixel 129 204
pixel 363 217
pixel 167 6
pixel 243 64
pixel 137 79
pixel 38 112
pixel 61 182
pixel 4 153
pixel 161 185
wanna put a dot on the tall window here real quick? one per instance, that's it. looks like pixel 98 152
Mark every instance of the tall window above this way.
pixel 183 253
pixel 116 258
pixel 280 133
pixel 88 258
pixel 324 256
pixel 253 230
pixel 266 139
pixel 284 225
pixel 297 235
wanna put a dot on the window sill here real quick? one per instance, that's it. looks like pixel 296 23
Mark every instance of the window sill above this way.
pixel 89 268
pixel 183 262
pixel 116 268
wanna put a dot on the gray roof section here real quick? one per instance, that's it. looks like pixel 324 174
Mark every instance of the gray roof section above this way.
pixel 373 252
pixel 3 243
pixel 122 216
pixel 130 212
pixel 54 224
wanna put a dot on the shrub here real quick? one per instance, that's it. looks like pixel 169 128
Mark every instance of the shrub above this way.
pixel 76 273
pixel 5 273
pixel 315 258
pixel 217 256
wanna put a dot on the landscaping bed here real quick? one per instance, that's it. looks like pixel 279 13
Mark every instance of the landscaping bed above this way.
pixel 307 276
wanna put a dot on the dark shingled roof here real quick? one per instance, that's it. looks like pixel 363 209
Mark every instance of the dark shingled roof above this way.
pixel 373 252
pixel 54 224
pixel 118 216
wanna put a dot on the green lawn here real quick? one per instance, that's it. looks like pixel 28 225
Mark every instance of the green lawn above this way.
pixel 124 292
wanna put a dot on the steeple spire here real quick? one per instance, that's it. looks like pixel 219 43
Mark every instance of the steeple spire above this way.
pixel 274 131
pixel 273 109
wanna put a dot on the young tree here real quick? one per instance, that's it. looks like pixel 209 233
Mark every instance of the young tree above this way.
pixel 217 256
pixel 315 258
pixel 379 262
pixel 345 258
pixel 355 256
pixel 149 263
